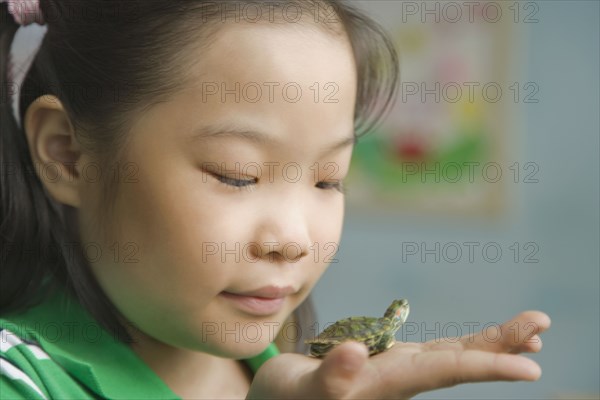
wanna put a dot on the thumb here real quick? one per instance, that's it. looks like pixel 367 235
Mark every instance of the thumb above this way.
pixel 339 369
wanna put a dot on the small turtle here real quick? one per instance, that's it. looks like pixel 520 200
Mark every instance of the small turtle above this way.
pixel 378 334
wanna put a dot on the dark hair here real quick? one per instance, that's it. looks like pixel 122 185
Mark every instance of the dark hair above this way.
pixel 127 52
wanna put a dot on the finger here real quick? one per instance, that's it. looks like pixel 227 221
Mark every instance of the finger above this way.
pixel 532 345
pixel 279 375
pixel 434 370
pixel 335 376
pixel 520 334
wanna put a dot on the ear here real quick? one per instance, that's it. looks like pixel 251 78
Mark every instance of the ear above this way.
pixel 55 152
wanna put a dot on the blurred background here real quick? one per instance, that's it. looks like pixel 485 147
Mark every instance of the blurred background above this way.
pixel 479 196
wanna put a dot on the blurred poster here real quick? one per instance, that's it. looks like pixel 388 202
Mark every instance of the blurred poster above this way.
pixel 442 148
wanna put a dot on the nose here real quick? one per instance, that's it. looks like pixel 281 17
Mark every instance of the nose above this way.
pixel 282 234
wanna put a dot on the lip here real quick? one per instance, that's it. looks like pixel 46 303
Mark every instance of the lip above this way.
pixel 269 292
pixel 267 300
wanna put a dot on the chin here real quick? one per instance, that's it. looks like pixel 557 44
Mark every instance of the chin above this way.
pixel 230 340
pixel 237 350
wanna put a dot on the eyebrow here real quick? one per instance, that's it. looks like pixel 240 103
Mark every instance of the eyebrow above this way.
pixel 260 138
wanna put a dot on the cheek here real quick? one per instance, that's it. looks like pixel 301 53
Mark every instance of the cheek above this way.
pixel 152 257
pixel 327 223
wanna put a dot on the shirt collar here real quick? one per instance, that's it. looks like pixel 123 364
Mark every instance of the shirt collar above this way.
pixel 88 352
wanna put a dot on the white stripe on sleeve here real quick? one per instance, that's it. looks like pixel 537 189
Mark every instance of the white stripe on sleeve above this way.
pixel 15 373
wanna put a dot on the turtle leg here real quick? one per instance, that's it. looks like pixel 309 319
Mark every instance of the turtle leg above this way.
pixel 320 349
pixel 386 342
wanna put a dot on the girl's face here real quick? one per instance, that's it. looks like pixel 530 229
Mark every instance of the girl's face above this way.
pixel 234 213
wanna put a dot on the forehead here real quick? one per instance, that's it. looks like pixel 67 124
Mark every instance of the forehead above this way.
pixel 308 64
pixel 283 52
pixel 269 57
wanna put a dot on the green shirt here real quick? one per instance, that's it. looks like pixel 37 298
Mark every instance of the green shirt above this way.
pixel 56 350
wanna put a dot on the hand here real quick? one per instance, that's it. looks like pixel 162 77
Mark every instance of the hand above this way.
pixel 407 368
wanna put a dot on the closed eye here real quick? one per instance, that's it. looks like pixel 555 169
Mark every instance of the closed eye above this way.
pixel 235 183
pixel 247 184
pixel 334 185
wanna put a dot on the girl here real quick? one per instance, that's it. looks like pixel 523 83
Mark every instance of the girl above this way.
pixel 169 171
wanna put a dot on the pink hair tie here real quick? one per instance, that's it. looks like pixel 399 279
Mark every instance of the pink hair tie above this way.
pixel 25 12
pixel 25 45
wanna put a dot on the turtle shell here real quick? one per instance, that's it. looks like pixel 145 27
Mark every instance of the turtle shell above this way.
pixel 368 330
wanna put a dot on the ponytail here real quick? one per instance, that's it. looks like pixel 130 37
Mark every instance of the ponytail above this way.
pixel 25 214
pixel 39 249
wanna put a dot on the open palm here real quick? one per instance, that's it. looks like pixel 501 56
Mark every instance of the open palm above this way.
pixel 407 368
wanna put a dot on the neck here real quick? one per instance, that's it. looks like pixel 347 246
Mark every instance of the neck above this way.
pixel 193 374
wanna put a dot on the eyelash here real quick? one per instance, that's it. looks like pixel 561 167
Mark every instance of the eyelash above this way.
pixel 338 185
pixel 247 184
pixel 236 184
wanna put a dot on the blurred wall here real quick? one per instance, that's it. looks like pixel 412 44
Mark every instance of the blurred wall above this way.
pixel 559 214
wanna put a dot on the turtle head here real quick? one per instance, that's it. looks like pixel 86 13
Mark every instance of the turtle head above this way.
pixel 398 311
